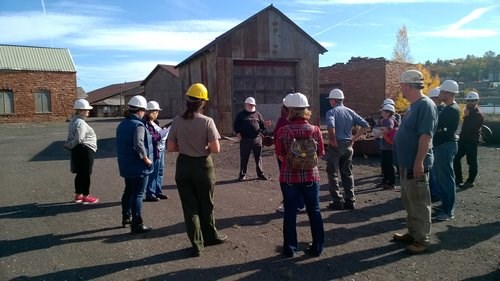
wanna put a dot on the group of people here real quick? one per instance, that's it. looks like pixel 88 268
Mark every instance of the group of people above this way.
pixel 421 137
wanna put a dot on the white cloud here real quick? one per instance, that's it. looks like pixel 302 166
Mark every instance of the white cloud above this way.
pixel 456 29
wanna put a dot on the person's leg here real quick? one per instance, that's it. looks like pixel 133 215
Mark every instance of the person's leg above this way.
pixel 159 178
pixel 457 163
pixel 257 154
pixel 347 176
pixel 150 191
pixel 245 150
pixel 310 195
pixel 126 211
pixel 204 178
pixel 472 161
pixel 332 168
pixel 444 154
pixel 138 186
pixel 290 198
pixel 189 201
pixel 419 201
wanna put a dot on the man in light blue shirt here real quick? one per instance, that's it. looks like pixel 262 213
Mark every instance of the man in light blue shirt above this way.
pixel 340 121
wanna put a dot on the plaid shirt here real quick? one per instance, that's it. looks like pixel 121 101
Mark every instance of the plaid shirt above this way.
pixel 298 129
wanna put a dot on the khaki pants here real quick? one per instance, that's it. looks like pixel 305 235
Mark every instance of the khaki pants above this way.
pixel 416 199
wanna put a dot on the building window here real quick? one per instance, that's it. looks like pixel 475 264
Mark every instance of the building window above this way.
pixel 6 102
pixel 42 102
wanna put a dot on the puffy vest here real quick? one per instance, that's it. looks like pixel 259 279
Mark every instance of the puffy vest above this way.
pixel 129 163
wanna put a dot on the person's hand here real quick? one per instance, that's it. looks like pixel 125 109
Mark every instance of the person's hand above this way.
pixel 148 162
pixel 333 143
pixel 268 123
pixel 418 170
pixel 238 135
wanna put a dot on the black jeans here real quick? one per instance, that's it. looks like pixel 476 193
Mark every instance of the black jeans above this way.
pixel 467 148
pixel 82 161
pixel 248 146
pixel 387 163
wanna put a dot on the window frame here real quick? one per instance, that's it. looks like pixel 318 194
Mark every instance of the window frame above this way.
pixel 39 102
pixel 4 92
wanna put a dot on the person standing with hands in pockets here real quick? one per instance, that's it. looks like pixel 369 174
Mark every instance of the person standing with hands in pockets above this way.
pixel 82 142
pixel 196 137
pixel 134 153
pixel 413 154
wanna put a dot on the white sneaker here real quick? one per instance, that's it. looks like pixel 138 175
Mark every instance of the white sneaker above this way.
pixel 301 210
pixel 281 209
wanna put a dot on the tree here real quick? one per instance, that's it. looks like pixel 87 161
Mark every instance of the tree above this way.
pixel 401 52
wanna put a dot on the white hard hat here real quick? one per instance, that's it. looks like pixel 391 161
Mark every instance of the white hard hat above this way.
pixel 434 93
pixel 388 101
pixel 82 104
pixel 388 107
pixel 250 100
pixel 336 94
pixel 472 96
pixel 449 86
pixel 138 101
pixel 297 100
pixel 411 77
pixel 152 105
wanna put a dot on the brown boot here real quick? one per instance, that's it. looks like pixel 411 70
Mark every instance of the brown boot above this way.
pixel 403 237
pixel 416 248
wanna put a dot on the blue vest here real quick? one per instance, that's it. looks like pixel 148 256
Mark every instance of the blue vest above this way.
pixel 129 163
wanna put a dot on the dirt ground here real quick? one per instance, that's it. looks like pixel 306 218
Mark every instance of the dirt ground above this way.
pixel 44 236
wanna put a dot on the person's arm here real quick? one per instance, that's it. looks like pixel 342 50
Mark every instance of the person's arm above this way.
pixel 140 133
pixel 172 146
pixel 424 142
pixel 214 146
pixel 332 139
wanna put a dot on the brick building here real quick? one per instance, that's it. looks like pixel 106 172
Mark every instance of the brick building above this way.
pixel 365 82
pixel 36 84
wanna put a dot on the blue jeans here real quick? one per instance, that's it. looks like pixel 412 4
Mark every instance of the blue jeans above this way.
pixel 132 198
pixel 291 197
pixel 443 171
pixel 301 199
pixel 155 181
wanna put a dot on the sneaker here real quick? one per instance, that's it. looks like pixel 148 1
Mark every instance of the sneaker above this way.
pixel 301 210
pixel 263 177
pixel 403 237
pixel 221 238
pixel 349 205
pixel 444 217
pixel 467 185
pixel 162 196
pixel 416 248
pixel 242 178
pixel 336 205
pixel 281 209
pixel 78 198
pixel 89 200
pixel 151 199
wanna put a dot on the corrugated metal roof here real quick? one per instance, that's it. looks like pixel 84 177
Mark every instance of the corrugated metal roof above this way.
pixel 35 58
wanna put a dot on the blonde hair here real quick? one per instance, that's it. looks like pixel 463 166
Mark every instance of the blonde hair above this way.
pixel 295 113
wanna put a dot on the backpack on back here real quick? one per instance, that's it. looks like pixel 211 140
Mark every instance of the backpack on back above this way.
pixel 302 153
pixel 389 136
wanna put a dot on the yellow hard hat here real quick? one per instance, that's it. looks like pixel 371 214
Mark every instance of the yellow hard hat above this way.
pixel 198 90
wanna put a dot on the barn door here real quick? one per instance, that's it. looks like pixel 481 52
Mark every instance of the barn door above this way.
pixel 267 81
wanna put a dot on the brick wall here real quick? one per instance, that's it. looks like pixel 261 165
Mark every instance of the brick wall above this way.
pixel 365 82
pixel 24 84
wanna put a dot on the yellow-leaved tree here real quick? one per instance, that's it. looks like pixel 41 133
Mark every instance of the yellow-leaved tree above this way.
pixel 430 82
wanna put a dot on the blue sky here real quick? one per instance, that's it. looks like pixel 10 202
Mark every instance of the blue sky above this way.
pixel 119 41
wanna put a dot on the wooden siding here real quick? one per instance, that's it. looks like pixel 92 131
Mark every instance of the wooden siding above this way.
pixel 164 88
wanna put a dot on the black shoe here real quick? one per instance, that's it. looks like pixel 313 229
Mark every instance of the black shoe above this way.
pixel 263 177
pixel 349 205
pixel 195 253
pixel 219 240
pixel 126 220
pixel 336 205
pixel 242 178
pixel 162 196
pixel 312 253
pixel 151 199
pixel 136 229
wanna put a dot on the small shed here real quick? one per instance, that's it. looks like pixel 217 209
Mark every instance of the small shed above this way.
pixel 263 57
pixel 37 84
pixel 163 86
pixel 366 82
pixel 110 101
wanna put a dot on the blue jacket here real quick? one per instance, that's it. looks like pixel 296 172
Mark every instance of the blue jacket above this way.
pixel 129 163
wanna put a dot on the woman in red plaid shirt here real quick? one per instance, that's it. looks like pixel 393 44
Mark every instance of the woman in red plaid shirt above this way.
pixel 299 183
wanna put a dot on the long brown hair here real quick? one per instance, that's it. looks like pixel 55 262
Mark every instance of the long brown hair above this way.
pixel 295 113
pixel 193 105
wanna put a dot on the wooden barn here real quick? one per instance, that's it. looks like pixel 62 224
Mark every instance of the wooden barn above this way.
pixel 37 84
pixel 366 82
pixel 163 86
pixel 263 57
pixel 111 101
